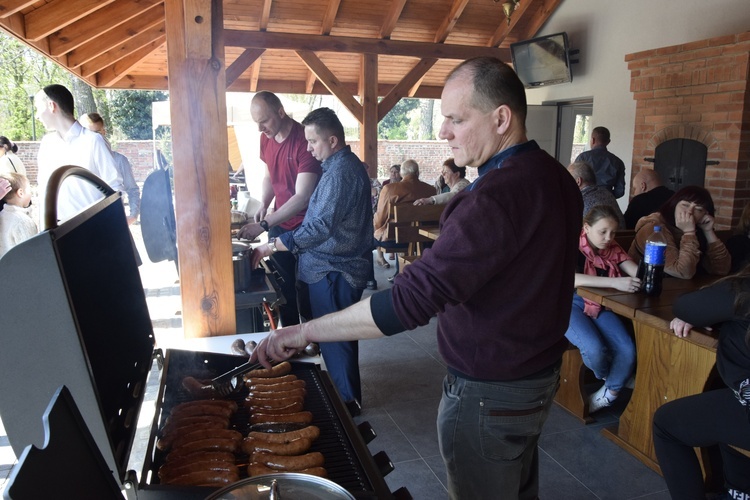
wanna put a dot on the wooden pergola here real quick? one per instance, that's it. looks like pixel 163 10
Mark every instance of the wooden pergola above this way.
pixel 368 53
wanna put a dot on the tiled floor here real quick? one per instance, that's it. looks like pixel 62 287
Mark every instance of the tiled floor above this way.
pixel 402 378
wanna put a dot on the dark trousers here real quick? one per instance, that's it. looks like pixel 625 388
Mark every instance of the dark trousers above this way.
pixel 704 420
pixel 286 265
pixel 328 295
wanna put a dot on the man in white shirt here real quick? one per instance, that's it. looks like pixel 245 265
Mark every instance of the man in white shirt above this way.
pixel 68 143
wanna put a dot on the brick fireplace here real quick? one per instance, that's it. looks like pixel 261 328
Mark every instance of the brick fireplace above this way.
pixel 698 91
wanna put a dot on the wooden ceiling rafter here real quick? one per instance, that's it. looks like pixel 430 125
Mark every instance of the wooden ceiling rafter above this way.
pixel 317 43
pixel 265 15
pixel 402 88
pixel 57 14
pixel 112 56
pixel 240 65
pixel 255 75
pixel 116 36
pixel 504 27
pixel 450 21
pixel 330 16
pixel 331 82
pixel 391 18
pixel 82 31
pixel 10 7
pixel 115 72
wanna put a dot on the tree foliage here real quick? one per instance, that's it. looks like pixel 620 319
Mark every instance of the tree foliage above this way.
pixel 130 112
pixel 395 124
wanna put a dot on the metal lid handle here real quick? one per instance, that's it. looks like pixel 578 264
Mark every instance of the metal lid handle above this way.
pixel 53 189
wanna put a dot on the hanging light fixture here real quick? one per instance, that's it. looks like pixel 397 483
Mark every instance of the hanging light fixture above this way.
pixel 508 8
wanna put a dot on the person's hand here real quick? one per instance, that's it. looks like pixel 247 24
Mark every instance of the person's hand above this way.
pixel 4 188
pixel 249 231
pixel 423 201
pixel 260 214
pixel 706 224
pixel 280 345
pixel 259 253
pixel 684 220
pixel 680 327
pixel 627 284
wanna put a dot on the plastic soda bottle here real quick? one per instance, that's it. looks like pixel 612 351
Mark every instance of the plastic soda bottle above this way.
pixel 653 262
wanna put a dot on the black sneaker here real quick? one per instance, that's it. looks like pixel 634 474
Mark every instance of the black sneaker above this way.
pixel 372 285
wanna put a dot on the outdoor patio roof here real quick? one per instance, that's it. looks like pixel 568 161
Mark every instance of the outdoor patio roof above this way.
pixel 285 46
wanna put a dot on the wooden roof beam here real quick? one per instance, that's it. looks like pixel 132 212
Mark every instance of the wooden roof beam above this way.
pixel 403 87
pixel 240 65
pixel 330 16
pixel 310 82
pixel 113 55
pixel 10 7
pixel 332 83
pixel 117 36
pixel 57 14
pixel 450 20
pixel 389 23
pixel 318 43
pixel 503 28
pixel 99 22
pixel 265 15
pixel 119 69
pixel 255 75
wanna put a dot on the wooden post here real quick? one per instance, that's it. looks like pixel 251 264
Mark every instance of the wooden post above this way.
pixel 197 85
pixel 368 130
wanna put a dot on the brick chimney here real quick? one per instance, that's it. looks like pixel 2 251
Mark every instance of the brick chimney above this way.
pixel 698 91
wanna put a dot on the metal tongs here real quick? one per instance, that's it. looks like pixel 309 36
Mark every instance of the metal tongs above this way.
pixel 226 384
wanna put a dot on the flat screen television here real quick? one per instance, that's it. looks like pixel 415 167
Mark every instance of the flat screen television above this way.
pixel 542 61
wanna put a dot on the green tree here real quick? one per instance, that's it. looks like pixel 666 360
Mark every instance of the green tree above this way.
pixel 130 112
pixel 395 124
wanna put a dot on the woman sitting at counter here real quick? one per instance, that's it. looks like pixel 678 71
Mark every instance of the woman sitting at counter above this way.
pixel 606 346
pixel 718 417
pixel 454 177
pixel 687 222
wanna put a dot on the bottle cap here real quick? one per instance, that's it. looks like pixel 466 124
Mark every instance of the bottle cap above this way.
pixel 657 229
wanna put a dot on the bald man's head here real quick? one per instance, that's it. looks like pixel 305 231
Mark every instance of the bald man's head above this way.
pixel 645 180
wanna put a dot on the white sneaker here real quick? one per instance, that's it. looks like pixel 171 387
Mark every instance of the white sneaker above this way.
pixel 600 399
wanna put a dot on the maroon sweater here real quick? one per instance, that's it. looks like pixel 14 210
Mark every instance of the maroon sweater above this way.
pixel 500 276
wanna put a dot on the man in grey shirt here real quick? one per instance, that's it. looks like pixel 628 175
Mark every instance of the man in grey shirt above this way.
pixel 592 194
pixel 608 168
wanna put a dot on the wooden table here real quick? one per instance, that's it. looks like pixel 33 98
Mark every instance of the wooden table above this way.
pixel 668 367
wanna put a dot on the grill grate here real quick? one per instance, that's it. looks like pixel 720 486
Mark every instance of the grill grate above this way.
pixel 343 459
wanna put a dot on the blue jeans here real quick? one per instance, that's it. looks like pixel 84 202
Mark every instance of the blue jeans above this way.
pixel 329 295
pixel 606 346
pixel 488 434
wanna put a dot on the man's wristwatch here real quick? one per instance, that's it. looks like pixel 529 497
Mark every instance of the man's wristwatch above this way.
pixel 264 225
pixel 272 245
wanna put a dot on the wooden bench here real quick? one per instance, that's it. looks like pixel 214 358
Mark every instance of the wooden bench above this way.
pixel 409 219
pixel 571 395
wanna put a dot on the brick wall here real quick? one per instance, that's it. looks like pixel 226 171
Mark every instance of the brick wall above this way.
pixel 699 91
pixel 429 154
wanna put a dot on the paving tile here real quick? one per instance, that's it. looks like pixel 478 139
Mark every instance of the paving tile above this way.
pixel 400 382
pixel 418 478
pixel 418 421
pixel 559 484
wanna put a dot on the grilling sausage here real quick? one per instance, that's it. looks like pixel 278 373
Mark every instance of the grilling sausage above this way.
pixel 256 469
pixel 293 407
pixel 287 463
pixel 209 444
pixel 191 436
pixel 273 402
pixel 198 410
pixel 304 417
pixel 169 472
pixel 200 456
pixel 165 442
pixel 294 447
pixel 294 393
pixel 270 381
pixel 183 424
pixel 198 389
pixel 310 432
pixel 283 387
pixel 206 478
pixel 225 403
pixel 275 371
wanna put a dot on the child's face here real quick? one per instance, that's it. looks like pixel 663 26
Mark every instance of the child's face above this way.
pixel 601 233
pixel 24 195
